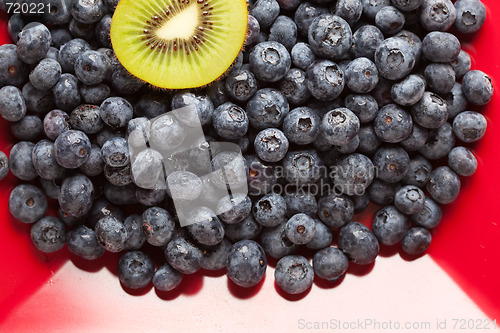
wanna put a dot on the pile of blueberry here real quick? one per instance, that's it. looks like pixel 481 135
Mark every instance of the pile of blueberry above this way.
pixel 335 104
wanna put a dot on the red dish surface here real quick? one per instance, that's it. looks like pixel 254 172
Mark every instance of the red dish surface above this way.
pixel 466 244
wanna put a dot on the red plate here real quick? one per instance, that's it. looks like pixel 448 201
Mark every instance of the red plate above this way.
pixel 34 296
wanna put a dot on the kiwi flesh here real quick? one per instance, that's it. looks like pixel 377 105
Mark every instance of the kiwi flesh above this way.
pixel 177 44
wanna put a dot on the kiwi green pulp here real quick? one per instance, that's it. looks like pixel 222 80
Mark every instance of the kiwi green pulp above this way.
pixel 177 44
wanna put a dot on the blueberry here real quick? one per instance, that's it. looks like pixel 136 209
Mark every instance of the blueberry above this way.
pixel 81 30
pixel 166 278
pixel 407 5
pixel 60 36
pixel 462 64
pixel 349 10
pixel 361 75
pixel 33 42
pixel 353 174
pixel 253 30
pixel 241 84
pixel 330 263
pixel 358 243
pixel 55 123
pixel 29 128
pixel 300 229
pixel 202 103
pixel 12 70
pixel 102 30
pixel 443 185
pixel 390 225
pixel 147 169
pixel 115 152
pixel 151 106
pixel 267 108
pixel 440 78
pixel 246 263
pixel 431 111
pixel 302 55
pixel 120 195
pixel 119 176
pixel 389 20
pixel 91 67
pixel 371 7
pixel 409 199
pixel 391 163
pixel 440 46
pixel 72 149
pixel 395 58
pixel 82 241
pixel 301 126
pixel 382 92
pixel 330 36
pixel 261 176
pixel 4 165
pixel 158 225
pixel 462 161
pixel 335 211
pixel 21 161
pixel 102 208
pixel 429 216
pixel 471 15
pixel 271 145
pixel 116 112
pixel 416 140
pixel 58 14
pixel 123 82
pixel 76 195
pixel 300 201
pixel 69 52
pixel 418 172
pixel 230 121
pixel 469 126
pixel 86 118
pixel 305 14
pixel 111 234
pixel 15 25
pixel 183 256
pixel 38 101
pixel 135 269
pixel 66 92
pixel 266 12
pixel 270 210
pixel 294 86
pixel 365 107
pixel 409 91
pixel 382 193
pixel 50 188
pixel 339 126
pixel 477 87
pixel 87 11
pixel 269 61
pixel 150 197
pixel 232 209
pixel 215 257
pixel 95 94
pixel 437 15
pixel 288 4
pixel 294 274
pixel 233 161
pixel 110 5
pixel 46 74
pixel 205 226
pixel 439 143
pixel 416 241
pixel 246 229
pixel 48 234
pixel 284 31
pixel 12 103
pixel 44 161
pixel 366 40
pixel 393 124
pixel 322 237
pixel 368 140
pixel 27 203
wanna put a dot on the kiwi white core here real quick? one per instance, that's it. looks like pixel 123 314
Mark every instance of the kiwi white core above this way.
pixel 182 25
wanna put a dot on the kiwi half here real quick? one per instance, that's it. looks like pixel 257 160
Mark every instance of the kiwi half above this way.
pixel 178 44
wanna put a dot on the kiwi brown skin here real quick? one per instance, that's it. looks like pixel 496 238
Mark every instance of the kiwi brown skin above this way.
pixel 158 48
